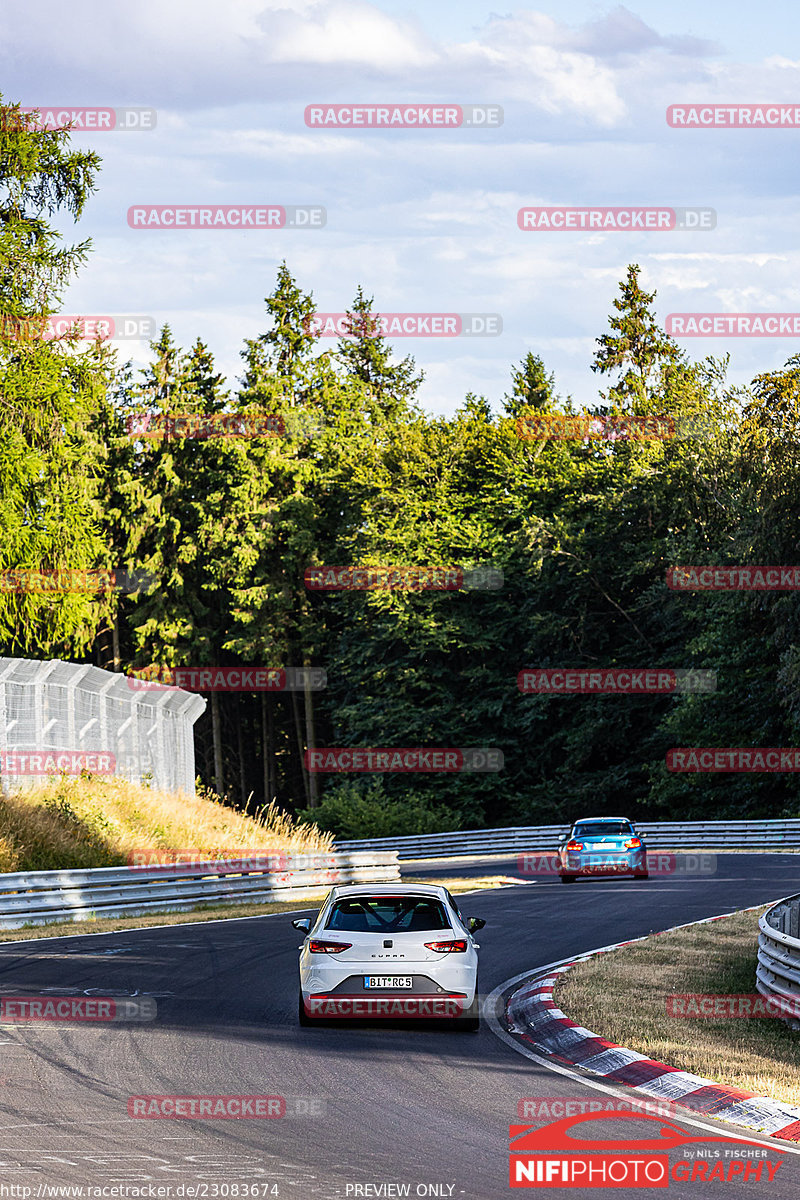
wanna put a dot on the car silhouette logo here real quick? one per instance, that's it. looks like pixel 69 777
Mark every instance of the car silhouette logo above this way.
pixel 557 1136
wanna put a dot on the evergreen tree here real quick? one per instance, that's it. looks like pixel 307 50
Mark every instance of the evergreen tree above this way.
pixel 636 343
pixel 532 387
pixel 284 350
pixel 50 393
pixel 367 357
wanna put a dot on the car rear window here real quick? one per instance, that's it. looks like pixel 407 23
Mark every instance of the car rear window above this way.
pixel 600 828
pixel 388 914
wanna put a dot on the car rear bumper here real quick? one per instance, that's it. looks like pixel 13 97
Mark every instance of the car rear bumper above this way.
pixel 421 985
pixel 326 974
pixel 396 1006
pixel 606 864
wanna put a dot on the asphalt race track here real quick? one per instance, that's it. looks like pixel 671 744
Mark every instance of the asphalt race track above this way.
pixel 375 1104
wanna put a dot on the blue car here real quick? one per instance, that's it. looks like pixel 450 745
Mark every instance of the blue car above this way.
pixel 602 846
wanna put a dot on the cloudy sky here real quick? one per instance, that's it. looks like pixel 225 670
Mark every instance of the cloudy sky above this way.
pixel 426 220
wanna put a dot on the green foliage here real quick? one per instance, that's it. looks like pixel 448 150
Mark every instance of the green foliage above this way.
pixel 583 531
pixel 50 393
pixel 367 358
pixel 636 343
pixel 354 810
pixel 532 387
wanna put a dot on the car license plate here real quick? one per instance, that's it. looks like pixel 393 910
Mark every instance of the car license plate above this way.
pixel 388 981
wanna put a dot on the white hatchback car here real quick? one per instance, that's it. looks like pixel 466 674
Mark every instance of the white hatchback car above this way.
pixel 390 950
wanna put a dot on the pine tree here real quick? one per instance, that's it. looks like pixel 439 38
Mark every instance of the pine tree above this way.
pixel 282 353
pixel 532 387
pixel 366 356
pixel 637 343
pixel 272 514
pixel 50 393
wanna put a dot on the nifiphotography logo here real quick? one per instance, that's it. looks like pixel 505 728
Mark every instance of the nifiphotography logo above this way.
pixel 552 1157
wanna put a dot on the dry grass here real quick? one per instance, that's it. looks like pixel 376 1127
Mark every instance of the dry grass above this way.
pixel 97 822
pixel 622 996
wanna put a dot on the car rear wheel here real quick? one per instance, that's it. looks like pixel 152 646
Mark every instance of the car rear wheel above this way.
pixel 567 878
pixel 471 1020
pixel 641 875
pixel 302 1015
pixel 468 1024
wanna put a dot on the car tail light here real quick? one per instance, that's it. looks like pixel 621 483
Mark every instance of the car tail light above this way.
pixel 319 947
pixel 633 843
pixel 574 845
pixel 458 946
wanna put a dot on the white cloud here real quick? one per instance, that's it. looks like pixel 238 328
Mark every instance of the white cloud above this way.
pixel 344 32
pixel 425 220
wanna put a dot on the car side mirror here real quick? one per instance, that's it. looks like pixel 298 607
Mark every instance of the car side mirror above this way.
pixel 474 923
pixel 303 924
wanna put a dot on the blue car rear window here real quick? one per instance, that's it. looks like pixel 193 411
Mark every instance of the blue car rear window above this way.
pixel 604 829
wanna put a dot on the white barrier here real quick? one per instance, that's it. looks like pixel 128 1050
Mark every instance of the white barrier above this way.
pixel 660 835
pixel 778 971
pixel 38 897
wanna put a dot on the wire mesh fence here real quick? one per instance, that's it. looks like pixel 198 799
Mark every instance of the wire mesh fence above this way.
pixel 65 717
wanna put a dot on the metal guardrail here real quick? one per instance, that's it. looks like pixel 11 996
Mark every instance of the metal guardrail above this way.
pixel 778 970
pixel 660 835
pixel 39 897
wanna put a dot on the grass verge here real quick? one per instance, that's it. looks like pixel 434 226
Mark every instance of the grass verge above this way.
pixel 622 996
pixel 93 821
pixel 206 913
